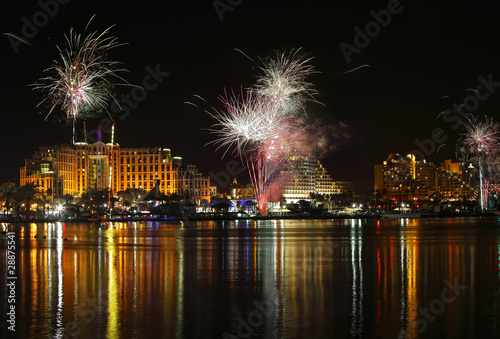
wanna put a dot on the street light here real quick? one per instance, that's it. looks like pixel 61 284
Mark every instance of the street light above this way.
pixel 59 208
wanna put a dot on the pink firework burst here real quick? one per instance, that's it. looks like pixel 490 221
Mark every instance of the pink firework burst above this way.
pixel 481 137
pixel 266 126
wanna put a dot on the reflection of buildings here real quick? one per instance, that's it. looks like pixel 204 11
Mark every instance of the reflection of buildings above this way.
pixel 92 291
pixel 61 170
pixel 402 176
pixel 309 176
pixel 396 284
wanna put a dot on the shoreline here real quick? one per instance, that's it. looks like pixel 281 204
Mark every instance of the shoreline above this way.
pixel 229 217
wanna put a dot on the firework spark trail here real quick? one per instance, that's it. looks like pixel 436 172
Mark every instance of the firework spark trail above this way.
pixel 481 137
pixel 81 81
pixel 245 122
pixel 479 146
pixel 253 127
pixel 284 81
pixel 266 126
pixel 480 140
pixel 278 156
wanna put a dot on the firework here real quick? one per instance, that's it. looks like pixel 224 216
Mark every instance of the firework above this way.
pixel 481 137
pixel 258 132
pixel 479 147
pixel 283 79
pixel 265 126
pixel 247 121
pixel 80 82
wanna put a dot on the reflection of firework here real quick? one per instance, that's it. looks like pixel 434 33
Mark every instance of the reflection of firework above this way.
pixel 479 147
pixel 82 80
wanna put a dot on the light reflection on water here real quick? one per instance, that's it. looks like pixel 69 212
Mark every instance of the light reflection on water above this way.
pixel 264 278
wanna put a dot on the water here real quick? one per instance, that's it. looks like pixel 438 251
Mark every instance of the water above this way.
pixel 428 278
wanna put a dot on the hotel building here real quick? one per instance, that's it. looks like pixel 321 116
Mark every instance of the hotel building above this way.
pixel 309 176
pixel 239 191
pixel 62 170
pixel 192 183
pixel 418 179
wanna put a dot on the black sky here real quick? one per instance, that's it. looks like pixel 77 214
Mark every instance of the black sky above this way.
pixel 422 63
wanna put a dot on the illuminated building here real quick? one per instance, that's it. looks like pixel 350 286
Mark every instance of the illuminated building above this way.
pixel 323 183
pixel 139 168
pixel 426 173
pixel 193 184
pixel 396 170
pixel 301 180
pixel 378 177
pixel 64 169
pixel 213 191
pixel 239 191
pixel 309 176
pixel 343 187
pixel 52 169
pixel 405 177
pixel 451 184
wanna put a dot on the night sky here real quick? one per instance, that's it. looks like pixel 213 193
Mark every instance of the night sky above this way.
pixel 425 61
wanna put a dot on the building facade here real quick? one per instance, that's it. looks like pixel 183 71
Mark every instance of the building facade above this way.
pixel 308 176
pixel 52 169
pixel 239 191
pixel 343 187
pixel 193 185
pixel 72 170
pixel 405 177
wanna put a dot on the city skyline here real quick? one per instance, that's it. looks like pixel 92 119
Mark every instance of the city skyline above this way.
pixel 415 70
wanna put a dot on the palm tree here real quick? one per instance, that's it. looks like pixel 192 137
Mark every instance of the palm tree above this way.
pixel 136 193
pixel 95 199
pixel 174 197
pixel 7 194
pixel 68 198
pixel 42 200
pixel 27 193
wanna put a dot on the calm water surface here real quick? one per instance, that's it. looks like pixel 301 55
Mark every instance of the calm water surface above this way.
pixel 426 278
